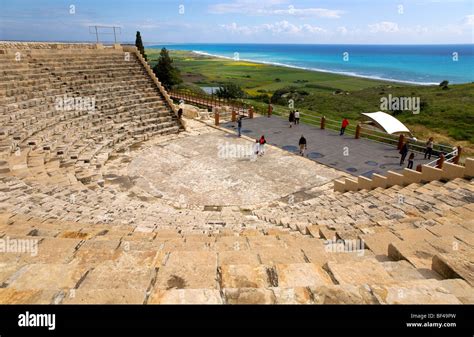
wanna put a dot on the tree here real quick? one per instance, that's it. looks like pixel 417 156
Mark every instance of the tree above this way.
pixel 139 45
pixel 230 90
pixel 167 74
pixel 444 85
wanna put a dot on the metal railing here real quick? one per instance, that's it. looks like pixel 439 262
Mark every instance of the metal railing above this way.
pixel 447 151
pixel 378 136
pixel 105 30
pixel 447 158
pixel 210 101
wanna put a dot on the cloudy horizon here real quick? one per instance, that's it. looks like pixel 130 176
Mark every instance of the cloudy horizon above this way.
pixel 242 21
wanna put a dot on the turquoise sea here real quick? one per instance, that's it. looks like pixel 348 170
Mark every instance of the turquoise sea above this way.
pixel 420 64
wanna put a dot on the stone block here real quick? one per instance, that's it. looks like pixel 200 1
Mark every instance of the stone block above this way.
pixel 394 178
pixel 359 273
pixel 452 171
pixel 301 275
pixel 411 176
pixel 245 276
pixel 379 181
pixel 430 173
pixel 249 296
pixel 185 296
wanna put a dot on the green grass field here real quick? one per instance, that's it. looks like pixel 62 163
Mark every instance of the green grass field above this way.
pixel 447 115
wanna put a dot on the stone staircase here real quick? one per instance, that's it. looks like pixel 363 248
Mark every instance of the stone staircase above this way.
pixel 428 173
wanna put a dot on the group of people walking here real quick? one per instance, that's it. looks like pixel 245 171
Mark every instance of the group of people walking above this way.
pixel 411 159
pixel 294 117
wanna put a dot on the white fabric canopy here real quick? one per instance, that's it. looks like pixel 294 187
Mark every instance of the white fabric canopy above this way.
pixel 387 122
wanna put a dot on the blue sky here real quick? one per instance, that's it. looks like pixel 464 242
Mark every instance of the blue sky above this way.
pixel 243 21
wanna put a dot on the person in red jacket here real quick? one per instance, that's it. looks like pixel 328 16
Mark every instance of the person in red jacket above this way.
pixel 344 125
pixel 262 143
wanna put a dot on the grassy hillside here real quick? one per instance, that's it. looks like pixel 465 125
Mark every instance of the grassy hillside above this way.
pixel 448 115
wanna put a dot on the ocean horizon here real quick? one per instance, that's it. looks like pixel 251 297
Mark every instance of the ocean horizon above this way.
pixel 413 64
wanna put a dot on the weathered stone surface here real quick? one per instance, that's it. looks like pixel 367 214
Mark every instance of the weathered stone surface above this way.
pixel 456 231
pixel 244 276
pixel 359 273
pixel 48 277
pixel 265 242
pixel 271 256
pixel 342 294
pixel 301 275
pixel 130 270
pixel 249 296
pixel 7 270
pixel 419 254
pixel 238 257
pixel 313 230
pixel 195 258
pixel 455 265
pixel 378 243
pixel 299 295
pixel 55 250
pixel 185 296
pixel 402 270
pixel 27 296
pixel 93 256
pixel 414 292
pixel 104 296
pixel 231 243
pixel 186 274
pixel 459 288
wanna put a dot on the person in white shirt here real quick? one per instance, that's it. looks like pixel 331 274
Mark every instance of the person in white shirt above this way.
pixel 297 117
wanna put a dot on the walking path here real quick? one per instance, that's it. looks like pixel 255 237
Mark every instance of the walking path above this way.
pixel 354 156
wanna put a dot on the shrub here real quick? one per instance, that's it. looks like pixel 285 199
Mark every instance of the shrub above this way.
pixel 230 91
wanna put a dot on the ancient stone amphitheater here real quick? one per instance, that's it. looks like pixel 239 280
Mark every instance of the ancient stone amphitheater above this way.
pixel 122 204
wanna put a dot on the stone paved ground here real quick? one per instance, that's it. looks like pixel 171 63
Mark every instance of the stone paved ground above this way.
pixel 214 169
pixel 326 146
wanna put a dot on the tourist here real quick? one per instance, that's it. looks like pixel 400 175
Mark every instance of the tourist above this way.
pixel 429 148
pixel 180 113
pixel 403 152
pixel 239 126
pixel 256 147
pixel 302 144
pixel 344 125
pixel 262 143
pixel 297 117
pixel 270 110
pixel 411 161
pixel 291 118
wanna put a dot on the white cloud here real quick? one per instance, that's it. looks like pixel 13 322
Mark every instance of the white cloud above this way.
pixel 268 7
pixel 236 29
pixel 305 12
pixel 384 27
pixel 280 27
pixel 469 20
pixel 343 30
pixel 244 6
